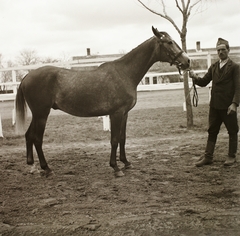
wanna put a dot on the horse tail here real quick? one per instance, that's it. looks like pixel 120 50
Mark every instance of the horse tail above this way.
pixel 21 111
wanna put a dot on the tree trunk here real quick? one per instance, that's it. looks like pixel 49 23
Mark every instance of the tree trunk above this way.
pixel 187 92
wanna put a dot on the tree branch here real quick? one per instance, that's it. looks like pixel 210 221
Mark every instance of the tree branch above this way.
pixel 178 6
pixel 194 4
pixel 164 7
pixel 157 13
pixel 162 15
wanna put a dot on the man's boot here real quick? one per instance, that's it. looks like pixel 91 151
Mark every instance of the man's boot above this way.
pixel 232 151
pixel 208 156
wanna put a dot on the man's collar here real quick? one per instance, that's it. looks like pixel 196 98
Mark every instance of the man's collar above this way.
pixel 224 61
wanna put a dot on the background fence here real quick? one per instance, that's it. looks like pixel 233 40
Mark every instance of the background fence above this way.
pixel 150 82
pixel 8 89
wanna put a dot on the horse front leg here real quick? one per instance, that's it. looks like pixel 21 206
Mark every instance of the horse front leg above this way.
pixel 123 158
pixel 116 121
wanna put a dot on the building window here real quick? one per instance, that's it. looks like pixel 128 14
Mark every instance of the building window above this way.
pixel 154 79
pixel 146 80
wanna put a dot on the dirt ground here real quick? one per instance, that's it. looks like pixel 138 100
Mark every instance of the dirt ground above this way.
pixel 164 194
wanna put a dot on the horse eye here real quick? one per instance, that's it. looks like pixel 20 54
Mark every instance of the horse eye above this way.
pixel 170 42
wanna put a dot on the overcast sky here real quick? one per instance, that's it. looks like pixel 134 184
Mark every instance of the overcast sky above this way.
pixel 65 28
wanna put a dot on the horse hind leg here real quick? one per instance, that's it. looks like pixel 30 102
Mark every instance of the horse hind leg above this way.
pixel 29 144
pixel 39 125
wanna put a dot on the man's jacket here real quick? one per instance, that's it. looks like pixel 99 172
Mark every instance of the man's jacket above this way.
pixel 225 84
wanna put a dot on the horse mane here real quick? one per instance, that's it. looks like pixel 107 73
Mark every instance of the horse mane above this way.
pixel 134 50
pixel 166 34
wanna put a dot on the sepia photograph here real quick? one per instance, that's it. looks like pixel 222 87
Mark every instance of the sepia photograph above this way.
pixel 119 118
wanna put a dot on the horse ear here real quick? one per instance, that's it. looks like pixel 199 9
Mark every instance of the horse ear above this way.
pixel 156 32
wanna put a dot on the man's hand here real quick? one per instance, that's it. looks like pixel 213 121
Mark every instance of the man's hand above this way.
pixel 232 109
pixel 192 74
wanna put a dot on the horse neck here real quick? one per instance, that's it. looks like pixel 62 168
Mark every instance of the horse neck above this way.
pixel 137 62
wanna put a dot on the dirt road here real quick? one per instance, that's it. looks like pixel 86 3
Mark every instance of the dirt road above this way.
pixel 164 194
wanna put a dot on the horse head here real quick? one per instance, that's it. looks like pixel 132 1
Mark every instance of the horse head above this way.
pixel 169 51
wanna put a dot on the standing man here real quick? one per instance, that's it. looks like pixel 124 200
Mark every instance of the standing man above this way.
pixel 225 95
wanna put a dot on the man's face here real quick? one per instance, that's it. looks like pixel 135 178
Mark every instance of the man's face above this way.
pixel 222 52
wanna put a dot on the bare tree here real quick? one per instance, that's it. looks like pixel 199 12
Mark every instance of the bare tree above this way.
pixel 28 57
pixel 185 7
pixel 1 60
pixel 7 75
pixel 49 60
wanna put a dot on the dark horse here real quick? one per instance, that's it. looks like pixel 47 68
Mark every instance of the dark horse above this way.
pixel 108 90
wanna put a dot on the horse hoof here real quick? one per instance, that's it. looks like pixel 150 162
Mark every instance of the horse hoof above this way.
pixel 30 162
pixel 47 173
pixel 34 169
pixel 119 173
pixel 129 166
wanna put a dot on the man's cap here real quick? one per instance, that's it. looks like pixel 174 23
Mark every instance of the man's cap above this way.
pixel 222 43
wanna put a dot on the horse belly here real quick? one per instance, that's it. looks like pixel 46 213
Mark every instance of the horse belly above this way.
pixel 84 106
pixel 84 109
pixel 94 104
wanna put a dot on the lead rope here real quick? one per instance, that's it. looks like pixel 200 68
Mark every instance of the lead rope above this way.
pixel 195 93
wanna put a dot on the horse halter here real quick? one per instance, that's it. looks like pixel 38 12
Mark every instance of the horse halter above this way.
pixel 169 54
pixel 175 61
